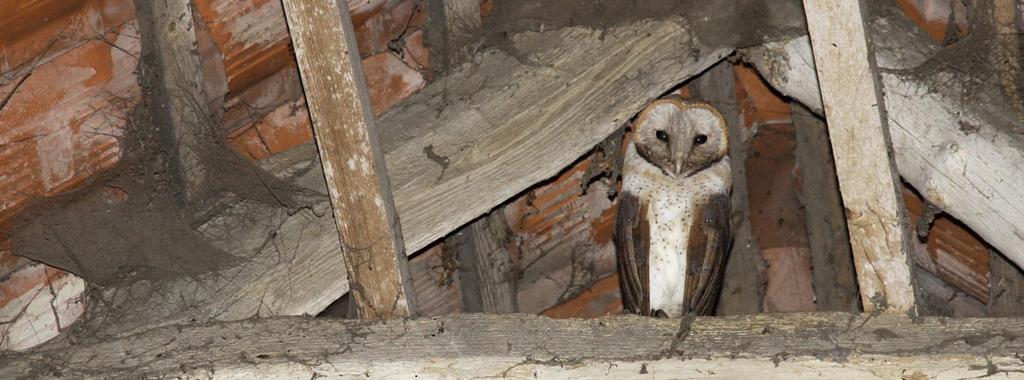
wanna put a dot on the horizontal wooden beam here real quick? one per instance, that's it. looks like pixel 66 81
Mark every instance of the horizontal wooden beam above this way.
pixel 830 345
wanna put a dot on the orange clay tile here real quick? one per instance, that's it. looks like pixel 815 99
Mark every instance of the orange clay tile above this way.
pixel 756 100
pixel 30 28
pixel 62 124
pixel 415 52
pixel 251 35
pixel 390 80
pixel 933 16
pixel 960 258
pixel 599 300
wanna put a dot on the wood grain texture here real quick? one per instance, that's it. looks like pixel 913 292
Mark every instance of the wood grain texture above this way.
pixel 835 279
pixel 1007 288
pixel 520 120
pixel 830 345
pixel 858 130
pixel 352 159
pixel 485 265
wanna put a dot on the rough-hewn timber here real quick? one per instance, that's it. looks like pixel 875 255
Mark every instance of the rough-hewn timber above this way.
pixel 835 279
pixel 858 129
pixel 353 163
pixel 821 345
pixel 180 82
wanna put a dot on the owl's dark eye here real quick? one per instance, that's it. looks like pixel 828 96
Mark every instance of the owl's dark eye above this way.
pixel 700 140
pixel 661 135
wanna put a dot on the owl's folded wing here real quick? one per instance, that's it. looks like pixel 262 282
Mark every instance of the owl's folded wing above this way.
pixel 707 248
pixel 632 244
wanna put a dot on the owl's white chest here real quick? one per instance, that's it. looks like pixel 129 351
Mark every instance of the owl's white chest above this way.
pixel 671 210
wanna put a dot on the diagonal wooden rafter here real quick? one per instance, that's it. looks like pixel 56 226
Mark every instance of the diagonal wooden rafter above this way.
pixel 353 162
pixel 858 129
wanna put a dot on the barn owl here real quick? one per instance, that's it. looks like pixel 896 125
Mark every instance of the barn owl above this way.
pixel 672 230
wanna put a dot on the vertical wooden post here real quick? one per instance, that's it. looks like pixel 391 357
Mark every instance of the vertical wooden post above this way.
pixel 485 265
pixel 172 30
pixel 851 93
pixel 452 29
pixel 332 76
pixel 835 279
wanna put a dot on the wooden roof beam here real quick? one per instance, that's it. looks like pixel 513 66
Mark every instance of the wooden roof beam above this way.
pixel 859 131
pixel 352 159
pixel 789 346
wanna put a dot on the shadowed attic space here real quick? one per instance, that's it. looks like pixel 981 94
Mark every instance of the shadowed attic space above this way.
pixel 161 173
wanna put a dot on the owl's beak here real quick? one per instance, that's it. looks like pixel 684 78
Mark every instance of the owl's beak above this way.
pixel 677 166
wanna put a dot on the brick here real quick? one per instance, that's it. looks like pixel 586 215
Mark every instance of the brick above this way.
pixel 954 253
pixel 789 287
pixel 371 36
pixel 405 17
pixel 256 101
pixel 248 142
pixel 758 103
pixel 36 31
pixel 486 9
pixel 252 37
pixel 285 128
pixel 392 80
pixel 933 16
pixel 62 124
pixel 435 279
pixel 415 53
pixel 601 299
pixel 563 239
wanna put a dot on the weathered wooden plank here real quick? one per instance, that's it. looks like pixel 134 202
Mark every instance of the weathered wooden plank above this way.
pixel 835 279
pixel 830 345
pixel 1006 53
pixel 485 265
pixel 858 130
pixel 961 152
pixel 171 29
pixel 352 159
pixel 1007 288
